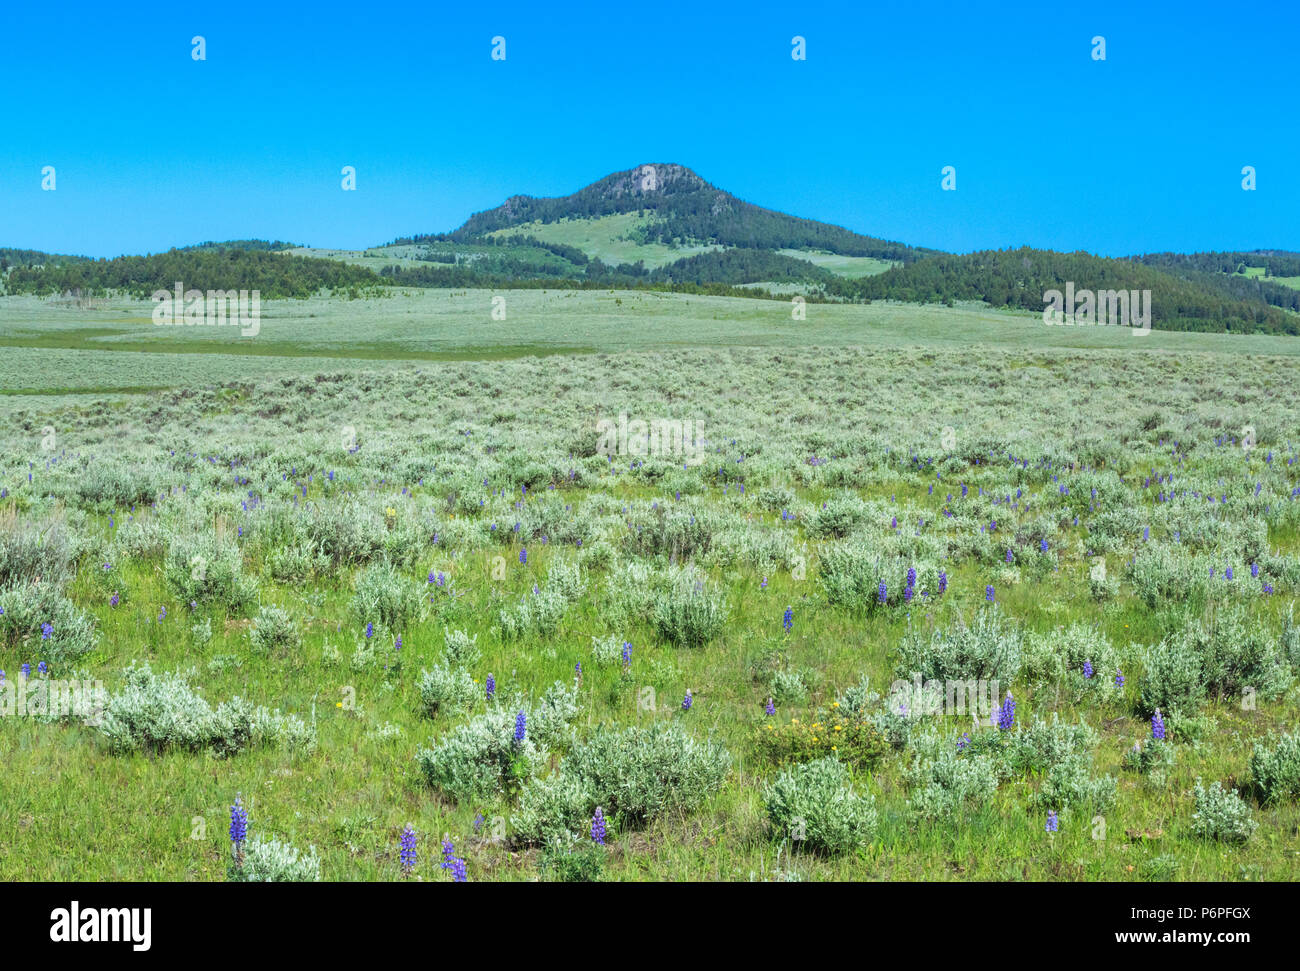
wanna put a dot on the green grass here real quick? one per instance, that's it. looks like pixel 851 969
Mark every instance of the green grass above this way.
pixel 609 238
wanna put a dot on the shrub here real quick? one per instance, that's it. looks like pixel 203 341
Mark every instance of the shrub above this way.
pixel 573 860
pixel 852 570
pixel 294 562
pixel 988 649
pixel 200 570
pixel 677 530
pixel 1156 755
pixel 273 631
pixel 271 861
pixel 462 650
pixel 1174 681
pixel 607 651
pixel 345 532
pixel 537 613
pixel 787 687
pixel 1275 769
pixel 851 740
pixel 946 782
pixel 28 608
pixel 837 517
pixel 688 614
pixel 105 485
pixel 1057 657
pixel 481 757
pixel 633 774
pixel 385 597
pixel 1070 783
pixel 445 689
pixel 815 806
pixel 154 713
pixel 30 550
pixel 1223 656
pixel 1220 815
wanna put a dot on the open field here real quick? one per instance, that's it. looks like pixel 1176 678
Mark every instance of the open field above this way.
pixel 302 336
pixel 280 509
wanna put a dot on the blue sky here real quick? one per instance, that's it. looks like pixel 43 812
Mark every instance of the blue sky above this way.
pixel 1139 153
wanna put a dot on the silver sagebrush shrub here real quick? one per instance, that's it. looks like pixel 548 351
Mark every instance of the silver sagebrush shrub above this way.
pixel 1220 815
pixel 1275 769
pixel 634 774
pixel 274 632
pixel 815 806
pixel 272 861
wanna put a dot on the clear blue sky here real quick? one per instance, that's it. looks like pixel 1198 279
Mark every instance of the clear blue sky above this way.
pixel 1140 153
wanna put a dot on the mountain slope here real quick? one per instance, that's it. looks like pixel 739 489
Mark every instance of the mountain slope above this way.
pixel 682 209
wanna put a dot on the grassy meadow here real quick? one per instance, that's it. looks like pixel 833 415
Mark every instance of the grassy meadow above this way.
pixel 323 540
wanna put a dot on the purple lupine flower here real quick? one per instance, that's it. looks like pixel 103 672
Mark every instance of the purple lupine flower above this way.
pixel 1010 556
pixel 1042 544
pixel 1254 570
pixel 27 671
pixel 943 581
pixel 1052 823
pixel 1007 713
pixel 964 742
pixel 787 621
pixel 881 592
pixel 907 594
pixel 1087 669
pixel 763 585
pixel 521 725
pixel 42 668
pixel 687 701
pixel 627 654
pixel 238 824
pixel 1157 726
pixel 491 686
pixel 47 631
pixel 370 630
pixel 988 593
pixel 1119 678
pixel 112 600
pixel 452 862
pixel 770 708
pixel 1228 573
pixel 598 827
pixel 523 555
pixel 408 855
